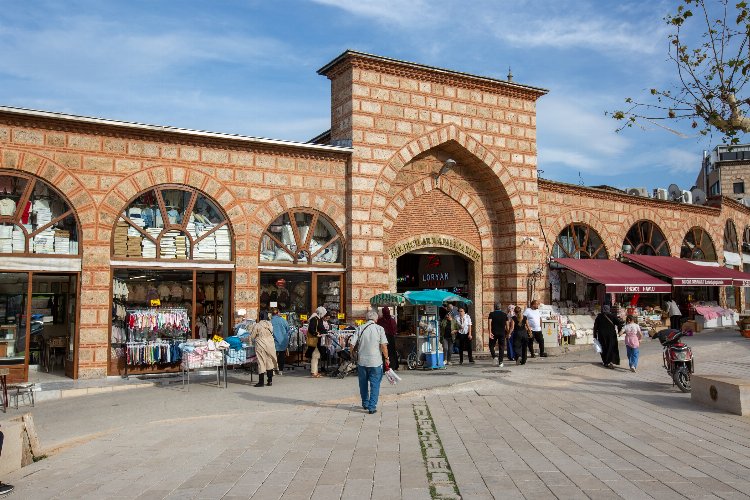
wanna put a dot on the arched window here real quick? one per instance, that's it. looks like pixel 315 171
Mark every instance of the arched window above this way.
pixel 746 240
pixel 35 218
pixel 302 237
pixel 579 241
pixel 697 245
pixel 730 237
pixel 645 238
pixel 172 222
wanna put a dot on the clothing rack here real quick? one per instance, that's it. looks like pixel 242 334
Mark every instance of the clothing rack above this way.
pixel 179 324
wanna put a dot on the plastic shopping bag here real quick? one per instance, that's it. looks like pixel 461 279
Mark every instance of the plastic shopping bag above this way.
pixel 597 346
pixel 392 377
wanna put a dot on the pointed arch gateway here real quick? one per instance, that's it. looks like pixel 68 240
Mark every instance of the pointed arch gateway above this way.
pixel 431 205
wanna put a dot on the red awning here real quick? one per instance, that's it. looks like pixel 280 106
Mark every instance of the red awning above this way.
pixel 682 272
pixel 615 276
pixel 738 277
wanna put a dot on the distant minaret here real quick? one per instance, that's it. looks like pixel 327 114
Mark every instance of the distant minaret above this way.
pixel 510 75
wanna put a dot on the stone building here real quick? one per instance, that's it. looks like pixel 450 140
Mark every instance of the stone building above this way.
pixel 107 219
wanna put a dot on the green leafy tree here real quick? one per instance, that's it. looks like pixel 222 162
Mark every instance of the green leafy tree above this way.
pixel 709 92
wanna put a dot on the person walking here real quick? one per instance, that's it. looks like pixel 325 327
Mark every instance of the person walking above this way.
pixel 448 328
pixel 534 320
pixel 464 336
pixel 388 323
pixel 520 328
pixel 675 315
pixel 261 336
pixel 315 331
pixel 633 337
pixel 371 348
pixel 280 337
pixel 498 332
pixel 606 326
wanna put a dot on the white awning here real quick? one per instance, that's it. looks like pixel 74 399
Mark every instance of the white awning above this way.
pixel 732 259
pixel 704 263
pixel 51 264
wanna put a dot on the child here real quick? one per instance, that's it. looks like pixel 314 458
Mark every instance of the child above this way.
pixel 633 337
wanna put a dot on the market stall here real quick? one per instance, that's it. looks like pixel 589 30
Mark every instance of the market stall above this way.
pixel 603 280
pixel 426 350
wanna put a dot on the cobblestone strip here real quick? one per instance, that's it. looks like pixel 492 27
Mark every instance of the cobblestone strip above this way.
pixel 441 480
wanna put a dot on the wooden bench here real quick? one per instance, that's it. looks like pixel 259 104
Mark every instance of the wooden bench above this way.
pixel 725 393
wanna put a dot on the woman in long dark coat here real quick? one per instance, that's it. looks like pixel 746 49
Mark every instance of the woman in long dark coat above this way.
pixel 606 326
pixel 388 323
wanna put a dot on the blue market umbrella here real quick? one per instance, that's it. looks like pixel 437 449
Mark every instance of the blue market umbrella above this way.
pixel 433 297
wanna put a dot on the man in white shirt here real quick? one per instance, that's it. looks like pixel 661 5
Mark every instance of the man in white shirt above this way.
pixel 534 323
pixel 371 348
pixel 464 335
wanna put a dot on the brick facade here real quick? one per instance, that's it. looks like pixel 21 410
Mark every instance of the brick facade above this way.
pixel 395 124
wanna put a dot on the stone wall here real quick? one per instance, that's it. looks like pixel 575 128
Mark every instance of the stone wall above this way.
pixel 100 168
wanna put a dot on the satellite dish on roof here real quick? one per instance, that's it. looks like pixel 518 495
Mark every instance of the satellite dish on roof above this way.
pixel 699 197
pixel 675 193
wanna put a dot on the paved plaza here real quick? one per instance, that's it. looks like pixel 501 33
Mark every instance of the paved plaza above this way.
pixel 560 427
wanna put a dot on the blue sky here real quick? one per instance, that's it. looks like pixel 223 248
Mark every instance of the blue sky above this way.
pixel 249 67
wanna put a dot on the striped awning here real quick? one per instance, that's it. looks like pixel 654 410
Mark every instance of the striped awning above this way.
pixel 387 299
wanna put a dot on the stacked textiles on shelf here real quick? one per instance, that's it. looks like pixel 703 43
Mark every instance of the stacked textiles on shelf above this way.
pixel 149 247
pixel 168 245
pixel 6 239
pixel 62 242
pixel 120 243
pixel 223 244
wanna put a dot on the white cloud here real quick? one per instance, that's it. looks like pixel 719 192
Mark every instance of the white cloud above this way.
pixel 576 135
pixel 83 48
pixel 682 161
pixel 411 13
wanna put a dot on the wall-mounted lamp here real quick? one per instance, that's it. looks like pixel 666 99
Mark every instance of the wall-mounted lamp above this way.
pixel 527 239
pixel 449 164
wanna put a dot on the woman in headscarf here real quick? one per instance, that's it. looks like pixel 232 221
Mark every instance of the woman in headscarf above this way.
pixel 265 351
pixel 388 323
pixel 606 326
pixel 315 330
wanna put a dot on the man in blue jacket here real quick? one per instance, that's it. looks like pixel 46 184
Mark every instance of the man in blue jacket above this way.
pixel 280 337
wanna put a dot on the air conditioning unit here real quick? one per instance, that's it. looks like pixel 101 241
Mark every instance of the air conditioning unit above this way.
pixel 638 192
pixel 660 194
pixel 687 196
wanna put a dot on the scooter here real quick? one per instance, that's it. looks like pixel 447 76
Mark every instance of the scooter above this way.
pixel 677 357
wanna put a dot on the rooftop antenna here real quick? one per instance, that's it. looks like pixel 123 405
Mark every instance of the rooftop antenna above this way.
pixel 510 75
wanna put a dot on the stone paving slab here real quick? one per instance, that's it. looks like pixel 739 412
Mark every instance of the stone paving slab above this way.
pixel 559 427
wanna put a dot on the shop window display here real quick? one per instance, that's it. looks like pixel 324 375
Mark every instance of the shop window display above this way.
pixel 697 245
pixel 153 311
pixel 172 223
pixel 645 238
pixel 301 237
pixel 35 218
pixel 579 241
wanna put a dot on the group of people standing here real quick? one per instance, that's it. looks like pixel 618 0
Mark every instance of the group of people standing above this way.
pixel 607 327
pixel 456 331
pixel 517 332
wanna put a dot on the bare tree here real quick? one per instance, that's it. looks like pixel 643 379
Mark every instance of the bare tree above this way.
pixel 709 91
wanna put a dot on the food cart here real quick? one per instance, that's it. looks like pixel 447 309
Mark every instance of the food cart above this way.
pixel 427 351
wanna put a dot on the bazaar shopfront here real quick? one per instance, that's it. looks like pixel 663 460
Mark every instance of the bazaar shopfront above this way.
pixel 301 267
pixel 172 278
pixel 40 264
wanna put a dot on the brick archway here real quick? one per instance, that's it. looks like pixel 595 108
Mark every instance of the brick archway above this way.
pixel 272 208
pixel 678 235
pixel 436 138
pixel 65 182
pixel 467 200
pixel 645 214
pixel 590 220
pixel 118 197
